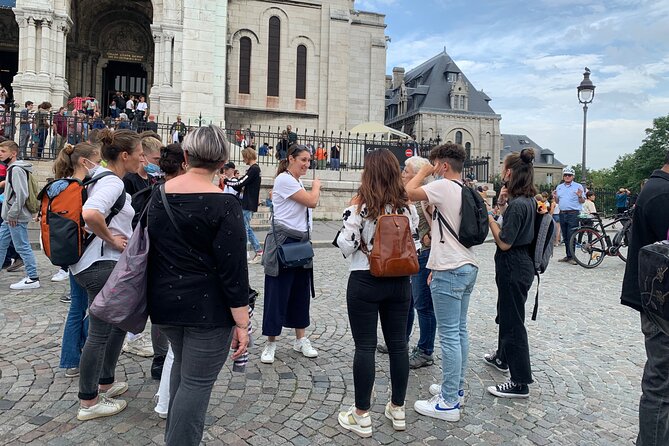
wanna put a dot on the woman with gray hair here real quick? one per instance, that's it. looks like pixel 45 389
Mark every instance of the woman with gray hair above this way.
pixel 421 297
pixel 197 280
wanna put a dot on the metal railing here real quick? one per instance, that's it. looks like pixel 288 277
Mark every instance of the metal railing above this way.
pixel 41 135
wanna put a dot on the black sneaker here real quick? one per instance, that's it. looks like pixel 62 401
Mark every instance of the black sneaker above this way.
pixel 418 359
pixel 65 299
pixel 510 390
pixel 382 348
pixel 493 360
pixel 157 367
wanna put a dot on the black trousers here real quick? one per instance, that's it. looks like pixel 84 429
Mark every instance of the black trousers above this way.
pixel 514 273
pixel 367 299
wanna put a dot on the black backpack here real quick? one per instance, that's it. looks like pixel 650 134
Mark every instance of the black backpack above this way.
pixel 541 250
pixel 474 224
pixel 654 278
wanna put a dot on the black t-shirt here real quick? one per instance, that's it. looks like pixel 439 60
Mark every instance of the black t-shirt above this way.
pixel 518 222
pixel 196 274
pixel 134 183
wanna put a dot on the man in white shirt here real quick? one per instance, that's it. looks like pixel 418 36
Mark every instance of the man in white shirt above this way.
pixel 454 270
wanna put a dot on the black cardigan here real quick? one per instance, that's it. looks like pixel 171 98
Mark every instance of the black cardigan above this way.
pixel 250 183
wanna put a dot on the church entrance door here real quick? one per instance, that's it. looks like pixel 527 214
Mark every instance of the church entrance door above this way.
pixel 129 78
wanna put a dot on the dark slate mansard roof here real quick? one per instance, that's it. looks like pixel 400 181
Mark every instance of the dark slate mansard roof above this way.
pixel 516 143
pixel 428 89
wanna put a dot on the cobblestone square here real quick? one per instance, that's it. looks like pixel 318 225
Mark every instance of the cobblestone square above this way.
pixel 587 357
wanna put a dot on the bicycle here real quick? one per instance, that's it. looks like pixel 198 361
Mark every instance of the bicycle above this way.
pixel 590 242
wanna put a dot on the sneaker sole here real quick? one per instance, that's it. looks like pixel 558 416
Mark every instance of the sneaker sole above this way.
pixel 93 416
pixel 425 364
pixel 132 351
pixel 23 288
pixel 398 425
pixel 267 361
pixel 495 366
pixel 495 392
pixel 73 375
pixel 364 432
pixel 305 355
pixel 431 414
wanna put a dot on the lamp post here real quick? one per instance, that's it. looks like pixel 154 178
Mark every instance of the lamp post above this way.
pixel 586 93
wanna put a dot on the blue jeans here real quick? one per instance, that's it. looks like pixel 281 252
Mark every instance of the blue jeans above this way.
pixel 19 235
pixel 250 235
pixel 568 224
pixel 76 327
pixel 451 290
pixel 654 404
pixel 42 134
pixel 422 302
pixel 334 163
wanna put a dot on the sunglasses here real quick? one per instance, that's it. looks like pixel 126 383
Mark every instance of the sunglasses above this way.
pixel 568 175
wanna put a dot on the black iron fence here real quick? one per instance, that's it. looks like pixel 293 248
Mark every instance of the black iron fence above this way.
pixel 605 199
pixel 42 134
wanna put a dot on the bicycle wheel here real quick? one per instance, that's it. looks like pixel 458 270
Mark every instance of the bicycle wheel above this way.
pixel 622 249
pixel 588 247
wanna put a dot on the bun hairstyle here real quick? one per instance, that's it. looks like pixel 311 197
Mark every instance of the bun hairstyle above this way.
pixel 171 159
pixel 115 142
pixel 69 157
pixel 521 164
pixel 293 151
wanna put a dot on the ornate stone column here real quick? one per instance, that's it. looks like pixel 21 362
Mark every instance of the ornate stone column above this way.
pixel 168 42
pixel 45 68
pixel 30 44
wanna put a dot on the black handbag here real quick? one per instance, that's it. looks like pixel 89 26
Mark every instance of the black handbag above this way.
pixel 654 278
pixel 293 253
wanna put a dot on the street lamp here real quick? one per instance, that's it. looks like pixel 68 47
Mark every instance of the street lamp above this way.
pixel 586 93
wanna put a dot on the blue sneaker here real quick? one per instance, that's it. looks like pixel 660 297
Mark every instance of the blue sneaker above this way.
pixel 436 407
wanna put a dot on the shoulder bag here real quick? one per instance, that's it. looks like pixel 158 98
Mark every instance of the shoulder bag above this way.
pixel 294 254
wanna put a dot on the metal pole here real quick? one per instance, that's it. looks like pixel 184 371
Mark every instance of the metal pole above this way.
pixel 585 117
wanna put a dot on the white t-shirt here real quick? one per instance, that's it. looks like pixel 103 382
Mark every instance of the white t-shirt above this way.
pixel 101 197
pixel 142 106
pixel 449 255
pixel 287 211
pixel 130 104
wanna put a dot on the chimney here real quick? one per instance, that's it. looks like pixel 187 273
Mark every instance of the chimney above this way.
pixel 389 82
pixel 398 77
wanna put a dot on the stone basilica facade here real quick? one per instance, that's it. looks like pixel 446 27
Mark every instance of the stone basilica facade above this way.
pixel 310 63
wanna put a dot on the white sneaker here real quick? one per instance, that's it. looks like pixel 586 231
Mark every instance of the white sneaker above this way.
pixel 25 284
pixel 435 389
pixel 104 408
pixel 60 276
pixel 360 424
pixel 304 345
pixel 397 416
pixel 138 347
pixel 436 407
pixel 118 388
pixel 268 352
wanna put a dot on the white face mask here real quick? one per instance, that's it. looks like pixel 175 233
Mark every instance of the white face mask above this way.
pixel 91 170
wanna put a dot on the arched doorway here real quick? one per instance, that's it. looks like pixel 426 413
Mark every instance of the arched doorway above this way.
pixel 9 50
pixel 110 48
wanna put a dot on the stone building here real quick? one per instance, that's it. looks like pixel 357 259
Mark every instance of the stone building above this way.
pixel 547 169
pixel 311 63
pixel 435 101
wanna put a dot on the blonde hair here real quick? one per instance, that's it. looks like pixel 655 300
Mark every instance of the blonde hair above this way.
pixel 248 154
pixel 150 144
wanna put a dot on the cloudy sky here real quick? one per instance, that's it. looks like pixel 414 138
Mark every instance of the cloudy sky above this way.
pixel 528 56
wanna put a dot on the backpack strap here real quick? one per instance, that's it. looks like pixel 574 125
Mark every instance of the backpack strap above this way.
pixel 536 297
pixel 443 222
pixel 115 209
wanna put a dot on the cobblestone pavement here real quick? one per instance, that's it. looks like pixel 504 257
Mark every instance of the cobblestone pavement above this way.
pixel 587 357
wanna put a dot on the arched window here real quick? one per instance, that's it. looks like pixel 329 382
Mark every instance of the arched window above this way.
pixel 245 65
pixel 458 137
pixel 301 78
pixel 273 56
pixel 468 149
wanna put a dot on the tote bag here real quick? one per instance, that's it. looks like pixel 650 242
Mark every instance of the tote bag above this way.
pixel 122 301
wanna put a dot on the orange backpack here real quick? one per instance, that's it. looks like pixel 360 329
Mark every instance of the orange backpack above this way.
pixel 64 237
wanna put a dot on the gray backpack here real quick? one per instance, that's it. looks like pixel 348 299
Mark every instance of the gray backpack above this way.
pixel 541 250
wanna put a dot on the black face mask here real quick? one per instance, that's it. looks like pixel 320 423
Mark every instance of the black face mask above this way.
pixel 6 161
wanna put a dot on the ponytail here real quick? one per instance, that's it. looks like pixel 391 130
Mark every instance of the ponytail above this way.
pixel 283 166
pixel 68 158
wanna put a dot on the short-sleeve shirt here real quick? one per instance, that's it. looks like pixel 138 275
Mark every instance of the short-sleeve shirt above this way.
pixel 567 196
pixel 287 211
pixel 621 200
pixel 101 197
pixel 446 195
pixel 518 227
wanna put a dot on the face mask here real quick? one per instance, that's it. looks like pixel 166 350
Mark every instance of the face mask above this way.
pixel 152 169
pixel 91 170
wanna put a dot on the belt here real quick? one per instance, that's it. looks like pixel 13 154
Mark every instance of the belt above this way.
pixel 569 212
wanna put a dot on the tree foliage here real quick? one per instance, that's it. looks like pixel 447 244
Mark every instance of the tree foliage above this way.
pixel 632 168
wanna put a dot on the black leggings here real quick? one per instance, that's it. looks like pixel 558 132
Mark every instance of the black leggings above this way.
pixel 514 273
pixel 367 298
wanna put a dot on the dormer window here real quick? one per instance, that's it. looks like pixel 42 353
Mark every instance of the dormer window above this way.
pixel 451 77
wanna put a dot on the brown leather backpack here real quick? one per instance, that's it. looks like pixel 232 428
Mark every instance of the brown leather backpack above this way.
pixel 394 252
